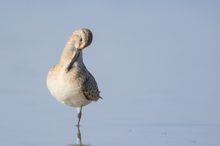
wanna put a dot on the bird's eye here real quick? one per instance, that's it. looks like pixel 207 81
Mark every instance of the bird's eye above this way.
pixel 80 39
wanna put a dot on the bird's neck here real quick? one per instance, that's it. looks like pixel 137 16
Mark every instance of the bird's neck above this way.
pixel 67 56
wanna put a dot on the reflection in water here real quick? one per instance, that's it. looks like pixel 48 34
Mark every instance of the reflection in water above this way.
pixel 79 139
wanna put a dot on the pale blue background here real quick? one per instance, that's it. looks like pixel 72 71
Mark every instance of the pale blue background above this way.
pixel 157 64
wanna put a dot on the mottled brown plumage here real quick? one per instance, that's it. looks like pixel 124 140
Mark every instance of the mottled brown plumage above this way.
pixel 89 88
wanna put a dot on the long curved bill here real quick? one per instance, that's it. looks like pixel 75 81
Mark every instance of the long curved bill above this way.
pixel 74 58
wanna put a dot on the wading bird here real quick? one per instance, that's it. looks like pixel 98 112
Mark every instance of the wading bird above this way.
pixel 69 81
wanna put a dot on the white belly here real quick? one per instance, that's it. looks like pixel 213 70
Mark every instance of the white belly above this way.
pixel 66 92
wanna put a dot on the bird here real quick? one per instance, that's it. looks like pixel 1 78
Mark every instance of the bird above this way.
pixel 69 81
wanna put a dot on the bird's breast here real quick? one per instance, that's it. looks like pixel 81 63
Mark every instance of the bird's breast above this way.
pixel 65 88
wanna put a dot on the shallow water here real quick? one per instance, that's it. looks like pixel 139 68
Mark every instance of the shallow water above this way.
pixel 50 123
pixel 157 135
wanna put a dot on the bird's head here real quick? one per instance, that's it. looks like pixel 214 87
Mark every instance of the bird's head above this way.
pixel 81 38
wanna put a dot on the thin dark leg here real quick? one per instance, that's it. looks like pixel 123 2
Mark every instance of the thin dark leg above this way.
pixel 79 140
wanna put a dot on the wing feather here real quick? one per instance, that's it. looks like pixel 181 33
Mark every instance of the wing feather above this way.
pixel 90 88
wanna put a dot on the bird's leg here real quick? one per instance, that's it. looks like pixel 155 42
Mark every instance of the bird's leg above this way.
pixel 79 114
pixel 79 140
